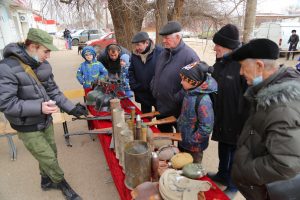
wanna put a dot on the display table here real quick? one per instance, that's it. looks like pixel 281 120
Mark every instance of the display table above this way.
pixel 116 170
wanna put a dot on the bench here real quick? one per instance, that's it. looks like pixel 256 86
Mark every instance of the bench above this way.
pixel 7 132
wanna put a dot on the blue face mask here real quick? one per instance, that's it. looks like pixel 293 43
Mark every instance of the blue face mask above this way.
pixel 36 58
pixel 257 80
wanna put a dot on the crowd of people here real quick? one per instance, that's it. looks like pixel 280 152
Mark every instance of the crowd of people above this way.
pixel 246 100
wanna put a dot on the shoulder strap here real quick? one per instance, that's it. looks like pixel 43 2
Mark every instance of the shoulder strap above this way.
pixel 212 97
pixel 28 70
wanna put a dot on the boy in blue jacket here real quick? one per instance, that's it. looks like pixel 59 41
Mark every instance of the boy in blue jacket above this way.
pixel 91 70
pixel 196 119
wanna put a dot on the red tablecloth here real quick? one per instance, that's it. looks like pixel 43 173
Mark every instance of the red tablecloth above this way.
pixel 115 169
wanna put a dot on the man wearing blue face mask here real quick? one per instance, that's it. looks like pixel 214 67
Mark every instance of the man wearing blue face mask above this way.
pixel 28 97
pixel 268 149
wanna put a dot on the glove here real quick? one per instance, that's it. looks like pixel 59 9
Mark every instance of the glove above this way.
pixel 79 110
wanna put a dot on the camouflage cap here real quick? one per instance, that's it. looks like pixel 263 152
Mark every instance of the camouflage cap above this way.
pixel 41 37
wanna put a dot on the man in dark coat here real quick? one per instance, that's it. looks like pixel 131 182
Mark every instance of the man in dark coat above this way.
pixel 166 87
pixel 142 68
pixel 293 41
pixel 228 116
pixel 110 58
pixel 28 97
pixel 268 149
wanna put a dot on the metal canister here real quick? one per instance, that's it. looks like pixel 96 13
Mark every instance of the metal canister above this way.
pixel 137 163
pixel 132 112
pixel 118 129
pixel 126 136
pixel 114 104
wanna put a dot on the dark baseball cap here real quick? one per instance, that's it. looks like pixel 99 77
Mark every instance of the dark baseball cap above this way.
pixel 41 37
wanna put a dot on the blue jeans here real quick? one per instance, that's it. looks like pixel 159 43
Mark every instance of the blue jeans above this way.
pixel 226 155
pixel 70 43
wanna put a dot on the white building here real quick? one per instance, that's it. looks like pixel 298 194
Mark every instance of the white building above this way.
pixel 16 18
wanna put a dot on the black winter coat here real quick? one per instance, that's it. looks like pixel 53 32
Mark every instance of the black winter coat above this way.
pixel 141 74
pixel 113 67
pixel 230 107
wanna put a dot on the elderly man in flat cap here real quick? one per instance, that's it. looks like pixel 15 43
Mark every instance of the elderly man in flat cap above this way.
pixel 142 68
pixel 28 97
pixel 268 149
pixel 166 86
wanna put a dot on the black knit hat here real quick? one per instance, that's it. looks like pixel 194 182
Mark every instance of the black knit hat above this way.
pixel 227 36
pixel 195 73
pixel 170 27
pixel 140 37
pixel 257 48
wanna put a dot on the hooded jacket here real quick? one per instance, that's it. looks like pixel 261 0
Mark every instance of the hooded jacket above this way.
pixel 124 72
pixel 195 128
pixel 166 87
pixel 21 96
pixel 268 149
pixel 141 72
pixel 89 72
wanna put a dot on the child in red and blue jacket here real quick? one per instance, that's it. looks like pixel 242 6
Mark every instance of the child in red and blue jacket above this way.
pixel 196 120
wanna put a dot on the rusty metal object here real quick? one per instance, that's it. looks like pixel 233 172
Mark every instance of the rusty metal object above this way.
pixel 132 112
pixel 144 132
pixel 154 166
pixel 137 163
pixel 131 126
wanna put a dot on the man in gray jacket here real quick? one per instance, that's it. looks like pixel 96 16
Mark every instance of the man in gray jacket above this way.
pixel 28 97
pixel 166 87
pixel 268 148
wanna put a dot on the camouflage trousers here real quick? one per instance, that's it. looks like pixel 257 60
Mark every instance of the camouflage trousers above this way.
pixel 41 145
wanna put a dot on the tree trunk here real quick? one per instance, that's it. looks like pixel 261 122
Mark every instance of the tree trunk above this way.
pixel 177 11
pixel 249 19
pixel 161 16
pixel 127 18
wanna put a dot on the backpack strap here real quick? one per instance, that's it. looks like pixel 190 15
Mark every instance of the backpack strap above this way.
pixel 28 70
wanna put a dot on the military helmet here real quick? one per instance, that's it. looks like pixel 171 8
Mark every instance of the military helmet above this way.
pixel 193 171
pixel 92 97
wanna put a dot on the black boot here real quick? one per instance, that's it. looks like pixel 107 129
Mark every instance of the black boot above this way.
pixel 69 193
pixel 47 184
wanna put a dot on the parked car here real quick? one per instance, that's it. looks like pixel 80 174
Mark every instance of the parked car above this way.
pixel 104 41
pixel 83 35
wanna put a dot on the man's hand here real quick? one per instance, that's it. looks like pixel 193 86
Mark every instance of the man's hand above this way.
pixel 49 107
pixel 79 110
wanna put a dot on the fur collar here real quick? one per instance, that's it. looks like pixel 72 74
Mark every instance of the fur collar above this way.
pixel 281 93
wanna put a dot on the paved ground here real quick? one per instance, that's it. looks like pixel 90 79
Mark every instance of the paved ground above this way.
pixel 84 164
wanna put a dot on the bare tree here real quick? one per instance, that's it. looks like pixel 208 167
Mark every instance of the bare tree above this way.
pixel 249 19
pixel 127 18
pixel 177 10
pixel 161 17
